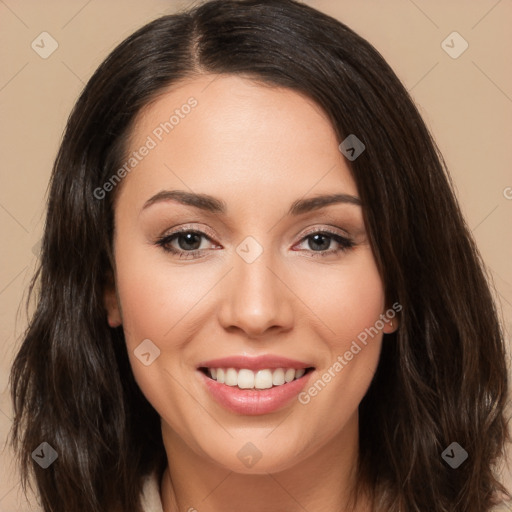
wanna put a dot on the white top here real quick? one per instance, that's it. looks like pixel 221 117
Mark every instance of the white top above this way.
pixel 151 501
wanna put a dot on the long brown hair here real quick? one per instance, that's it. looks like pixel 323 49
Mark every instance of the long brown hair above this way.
pixel 442 376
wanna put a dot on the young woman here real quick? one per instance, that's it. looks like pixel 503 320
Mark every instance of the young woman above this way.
pixel 257 291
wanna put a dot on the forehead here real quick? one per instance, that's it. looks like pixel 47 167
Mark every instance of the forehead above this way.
pixel 224 134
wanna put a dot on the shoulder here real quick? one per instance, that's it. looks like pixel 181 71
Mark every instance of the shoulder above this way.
pixel 150 498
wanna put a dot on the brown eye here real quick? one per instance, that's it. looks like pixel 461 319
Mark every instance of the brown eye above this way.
pixel 320 243
pixel 186 243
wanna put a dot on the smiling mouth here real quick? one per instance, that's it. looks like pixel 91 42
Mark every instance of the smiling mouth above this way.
pixel 260 379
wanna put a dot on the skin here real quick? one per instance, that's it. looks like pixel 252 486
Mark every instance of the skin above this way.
pixel 259 149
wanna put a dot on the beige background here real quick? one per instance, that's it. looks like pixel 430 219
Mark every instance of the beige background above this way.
pixel 467 103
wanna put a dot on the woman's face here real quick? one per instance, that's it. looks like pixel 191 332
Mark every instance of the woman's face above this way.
pixel 260 272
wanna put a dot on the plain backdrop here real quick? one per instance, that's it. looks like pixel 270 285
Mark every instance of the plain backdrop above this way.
pixel 465 98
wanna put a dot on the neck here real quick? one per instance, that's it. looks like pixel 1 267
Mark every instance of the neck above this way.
pixel 323 481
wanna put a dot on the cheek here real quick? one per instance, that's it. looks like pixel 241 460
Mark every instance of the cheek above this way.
pixel 347 298
pixel 350 307
pixel 162 302
pixel 354 314
pixel 157 302
pixel 156 297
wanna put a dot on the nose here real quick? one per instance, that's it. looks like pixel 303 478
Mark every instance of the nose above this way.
pixel 256 298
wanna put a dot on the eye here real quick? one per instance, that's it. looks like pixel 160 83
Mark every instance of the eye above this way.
pixel 187 243
pixel 320 243
pixel 191 244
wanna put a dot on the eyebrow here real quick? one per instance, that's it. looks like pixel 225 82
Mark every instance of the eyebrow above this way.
pixel 214 205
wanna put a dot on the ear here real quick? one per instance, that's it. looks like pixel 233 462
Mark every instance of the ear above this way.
pixel 111 302
pixel 391 326
pixel 391 318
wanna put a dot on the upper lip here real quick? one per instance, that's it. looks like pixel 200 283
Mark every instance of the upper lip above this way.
pixel 254 363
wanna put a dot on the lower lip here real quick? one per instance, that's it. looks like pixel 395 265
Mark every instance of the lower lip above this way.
pixel 253 401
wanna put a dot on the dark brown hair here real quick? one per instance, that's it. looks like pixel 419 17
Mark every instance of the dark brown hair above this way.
pixel 442 376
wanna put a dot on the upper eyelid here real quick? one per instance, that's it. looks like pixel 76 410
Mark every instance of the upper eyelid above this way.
pixel 331 230
pixel 187 229
pixel 310 231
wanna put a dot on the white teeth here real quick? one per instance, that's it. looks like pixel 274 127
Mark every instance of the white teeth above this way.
pixel 245 379
pixel 278 377
pixel 299 373
pixel 231 377
pixel 261 379
pixel 289 375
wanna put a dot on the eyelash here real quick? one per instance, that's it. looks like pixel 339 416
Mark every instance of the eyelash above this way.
pixel 165 241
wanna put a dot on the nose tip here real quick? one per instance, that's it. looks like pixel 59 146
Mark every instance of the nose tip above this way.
pixel 255 300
